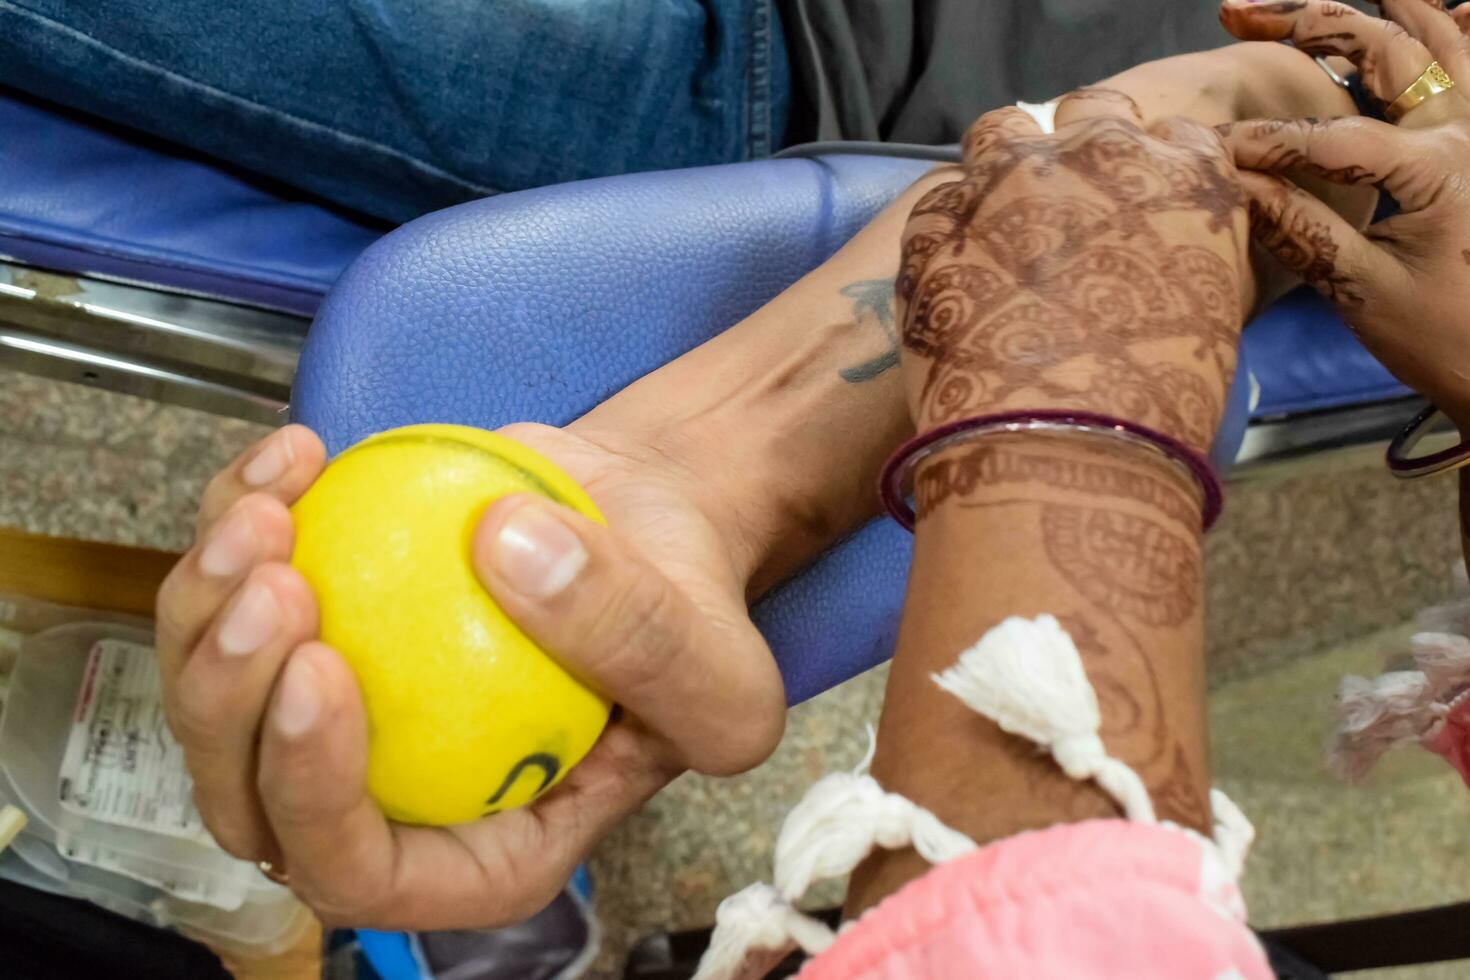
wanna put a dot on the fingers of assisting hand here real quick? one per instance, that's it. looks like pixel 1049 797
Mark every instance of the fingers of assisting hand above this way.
pixel 1432 25
pixel 355 868
pixel 701 677
pixel 1355 151
pixel 218 696
pixel 1310 239
pixel 256 529
pixel 283 465
pixel 1386 55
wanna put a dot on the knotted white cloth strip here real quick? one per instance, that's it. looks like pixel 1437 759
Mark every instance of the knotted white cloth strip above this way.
pixel 1027 677
pixel 1234 833
pixel 837 824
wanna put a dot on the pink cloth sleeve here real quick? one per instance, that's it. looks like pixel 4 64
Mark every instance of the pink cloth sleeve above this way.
pixel 1096 900
pixel 1453 738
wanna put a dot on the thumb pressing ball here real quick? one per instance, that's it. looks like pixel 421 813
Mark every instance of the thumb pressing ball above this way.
pixel 466 716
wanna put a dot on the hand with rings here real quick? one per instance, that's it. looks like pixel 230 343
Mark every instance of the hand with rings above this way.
pixel 1403 284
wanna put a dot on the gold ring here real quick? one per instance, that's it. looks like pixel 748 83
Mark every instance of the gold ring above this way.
pixel 269 870
pixel 1434 81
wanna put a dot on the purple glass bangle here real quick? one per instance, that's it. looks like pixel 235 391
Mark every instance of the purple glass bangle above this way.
pixel 1406 467
pixel 896 472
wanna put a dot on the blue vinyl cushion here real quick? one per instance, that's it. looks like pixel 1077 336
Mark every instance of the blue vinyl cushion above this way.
pixel 80 197
pixel 539 305
pixel 1305 359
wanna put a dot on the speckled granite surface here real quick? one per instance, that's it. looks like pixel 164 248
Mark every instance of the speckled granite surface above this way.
pixel 89 464
pixel 1305 575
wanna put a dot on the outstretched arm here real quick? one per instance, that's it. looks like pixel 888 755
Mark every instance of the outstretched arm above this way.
pixel 1101 270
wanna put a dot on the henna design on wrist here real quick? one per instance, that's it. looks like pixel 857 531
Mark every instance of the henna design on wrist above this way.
pixel 872 302
pixel 1118 535
pixel 1120 561
pixel 961 474
pixel 1105 526
pixel 1126 683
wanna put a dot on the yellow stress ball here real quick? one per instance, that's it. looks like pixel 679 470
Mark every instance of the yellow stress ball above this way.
pixel 466 716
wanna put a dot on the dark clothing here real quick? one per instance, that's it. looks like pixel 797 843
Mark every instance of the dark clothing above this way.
pixel 922 71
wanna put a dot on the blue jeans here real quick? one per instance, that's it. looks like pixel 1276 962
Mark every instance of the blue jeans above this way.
pixel 398 107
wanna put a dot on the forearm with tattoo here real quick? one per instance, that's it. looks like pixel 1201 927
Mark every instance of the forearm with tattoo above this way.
pixel 784 419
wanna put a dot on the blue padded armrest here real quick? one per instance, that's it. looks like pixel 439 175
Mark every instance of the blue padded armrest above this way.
pixel 1306 359
pixel 82 197
pixel 541 304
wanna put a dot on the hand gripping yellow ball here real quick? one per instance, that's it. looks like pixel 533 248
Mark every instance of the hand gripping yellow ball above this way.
pixel 466 715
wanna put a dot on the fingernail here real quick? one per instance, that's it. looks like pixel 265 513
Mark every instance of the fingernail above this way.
pixel 300 700
pixel 272 460
pixel 250 621
pixel 536 554
pixel 230 547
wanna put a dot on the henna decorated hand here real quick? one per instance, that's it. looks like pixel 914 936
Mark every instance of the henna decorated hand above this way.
pixel 1100 269
pixel 1401 284
pixel 1388 53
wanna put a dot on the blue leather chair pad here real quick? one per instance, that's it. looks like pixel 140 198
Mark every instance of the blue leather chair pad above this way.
pixel 539 305
pixel 80 197
pixel 1305 359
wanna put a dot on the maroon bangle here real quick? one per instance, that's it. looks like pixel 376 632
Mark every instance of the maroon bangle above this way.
pixel 1406 467
pixel 896 472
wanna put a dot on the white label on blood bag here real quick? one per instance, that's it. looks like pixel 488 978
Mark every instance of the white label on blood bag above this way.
pixel 122 765
pixel 199 888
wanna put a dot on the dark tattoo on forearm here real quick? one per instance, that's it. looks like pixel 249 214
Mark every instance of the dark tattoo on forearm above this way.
pixel 872 303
